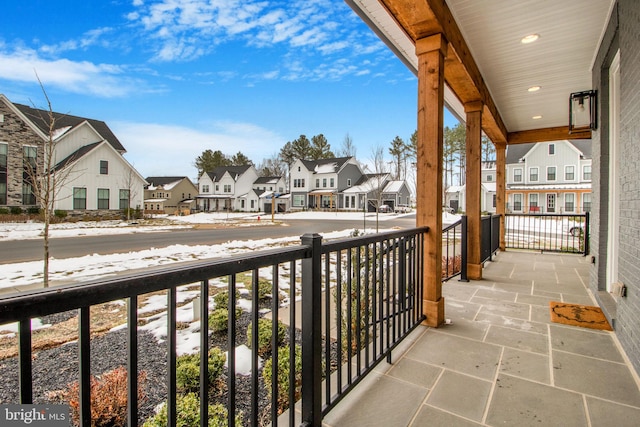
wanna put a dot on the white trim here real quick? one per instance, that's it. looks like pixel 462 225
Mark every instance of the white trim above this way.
pixel 556 174
pixel 613 231
pixel 521 174
pixel 565 202
pixel 574 173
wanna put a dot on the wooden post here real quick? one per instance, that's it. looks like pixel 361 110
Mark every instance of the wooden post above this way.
pixel 474 189
pixel 431 52
pixel 501 196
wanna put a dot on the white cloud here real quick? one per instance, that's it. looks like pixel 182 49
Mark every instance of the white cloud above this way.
pixel 166 149
pixel 88 39
pixel 105 80
pixel 187 30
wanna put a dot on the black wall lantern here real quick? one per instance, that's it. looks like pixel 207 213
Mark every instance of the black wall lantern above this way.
pixel 583 114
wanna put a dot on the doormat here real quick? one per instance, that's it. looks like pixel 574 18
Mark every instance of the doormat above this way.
pixel 578 315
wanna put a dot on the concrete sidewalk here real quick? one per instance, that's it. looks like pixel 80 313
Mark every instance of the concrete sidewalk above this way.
pixel 501 361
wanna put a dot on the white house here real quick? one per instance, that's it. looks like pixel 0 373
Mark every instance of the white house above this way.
pixel 549 177
pixel 317 183
pixel 87 154
pixel 228 188
pixel 271 192
pixel 455 196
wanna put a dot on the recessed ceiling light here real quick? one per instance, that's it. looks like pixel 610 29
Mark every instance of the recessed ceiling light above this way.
pixel 530 38
pixel 534 88
pixel 536 117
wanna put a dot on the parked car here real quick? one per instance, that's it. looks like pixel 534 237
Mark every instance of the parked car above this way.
pixel 402 208
pixel 573 227
pixel 384 209
pixel 576 231
pixel 447 209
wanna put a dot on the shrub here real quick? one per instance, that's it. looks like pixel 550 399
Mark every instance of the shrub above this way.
pixel 221 299
pixel 16 210
pixel 188 369
pixel 188 414
pixel 59 213
pixel 219 320
pixel 451 265
pixel 33 210
pixel 283 376
pixel 132 213
pixel 108 398
pixel 355 302
pixel 264 288
pixel 265 334
pixel 4 211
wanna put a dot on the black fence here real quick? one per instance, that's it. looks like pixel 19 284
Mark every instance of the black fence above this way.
pixel 490 244
pixel 454 249
pixel 350 303
pixel 548 232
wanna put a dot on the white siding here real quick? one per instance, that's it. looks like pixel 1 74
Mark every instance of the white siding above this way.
pixel 86 174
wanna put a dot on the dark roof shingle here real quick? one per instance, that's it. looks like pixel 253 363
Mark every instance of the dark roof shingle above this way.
pixel 40 118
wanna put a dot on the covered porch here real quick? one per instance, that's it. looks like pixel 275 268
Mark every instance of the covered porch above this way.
pixel 499 360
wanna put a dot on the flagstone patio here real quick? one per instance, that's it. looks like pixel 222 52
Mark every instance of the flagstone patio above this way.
pixel 500 360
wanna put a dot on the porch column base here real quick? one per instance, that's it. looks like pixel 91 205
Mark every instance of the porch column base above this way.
pixel 474 271
pixel 434 310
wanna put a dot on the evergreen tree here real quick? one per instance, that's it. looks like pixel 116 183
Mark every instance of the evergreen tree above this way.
pixel 301 148
pixel 398 151
pixel 240 159
pixel 320 148
pixel 488 150
pixel 210 160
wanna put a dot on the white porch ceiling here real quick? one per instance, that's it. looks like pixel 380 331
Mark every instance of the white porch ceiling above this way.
pixel 560 61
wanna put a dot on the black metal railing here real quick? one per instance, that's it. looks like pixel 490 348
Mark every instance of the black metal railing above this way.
pixel 378 299
pixel 548 232
pixel 490 244
pixel 454 248
pixel 358 298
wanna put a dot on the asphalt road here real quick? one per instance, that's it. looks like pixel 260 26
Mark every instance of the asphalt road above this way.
pixel 70 247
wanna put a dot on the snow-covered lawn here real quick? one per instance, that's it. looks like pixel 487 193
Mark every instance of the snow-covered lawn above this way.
pixel 94 266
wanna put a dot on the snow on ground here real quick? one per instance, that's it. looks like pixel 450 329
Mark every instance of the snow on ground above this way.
pixel 94 266
pixel 34 230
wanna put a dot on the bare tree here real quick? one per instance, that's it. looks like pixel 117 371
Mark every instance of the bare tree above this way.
pixel 272 166
pixel 377 181
pixel 45 177
pixel 129 186
pixel 347 149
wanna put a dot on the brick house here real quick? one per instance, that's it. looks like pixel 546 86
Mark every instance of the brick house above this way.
pixel 86 151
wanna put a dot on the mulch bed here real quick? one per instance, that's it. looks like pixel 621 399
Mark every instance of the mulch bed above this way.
pixel 54 369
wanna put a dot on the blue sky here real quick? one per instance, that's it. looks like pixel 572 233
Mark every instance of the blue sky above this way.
pixel 173 78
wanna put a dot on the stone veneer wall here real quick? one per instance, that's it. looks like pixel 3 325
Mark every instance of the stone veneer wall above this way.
pixel 17 133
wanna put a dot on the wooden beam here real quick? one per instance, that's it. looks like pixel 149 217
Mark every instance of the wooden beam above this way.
pixel 421 19
pixel 501 168
pixel 431 52
pixel 545 134
pixel 474 189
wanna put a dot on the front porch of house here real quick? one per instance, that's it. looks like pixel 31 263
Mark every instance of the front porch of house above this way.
pixel 499 360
